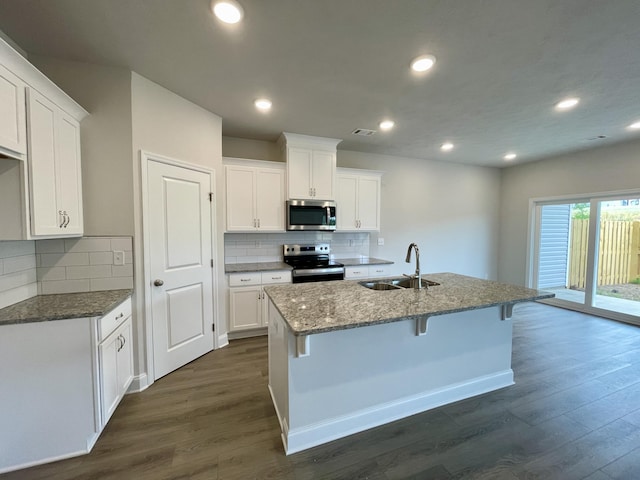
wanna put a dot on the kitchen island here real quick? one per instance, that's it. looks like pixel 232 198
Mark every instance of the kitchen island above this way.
pixel 344 358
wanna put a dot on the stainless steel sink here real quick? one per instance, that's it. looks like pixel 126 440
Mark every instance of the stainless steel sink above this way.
pixel 396 283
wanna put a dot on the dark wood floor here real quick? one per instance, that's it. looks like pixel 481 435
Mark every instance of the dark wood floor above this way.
pixel 573 413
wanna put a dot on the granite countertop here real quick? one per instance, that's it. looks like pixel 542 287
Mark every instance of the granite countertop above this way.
pixel 255 267
pixel 45 308
pixel 351 262
pixel 327 306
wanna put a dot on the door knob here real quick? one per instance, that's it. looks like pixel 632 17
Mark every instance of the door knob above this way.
pixel 158 283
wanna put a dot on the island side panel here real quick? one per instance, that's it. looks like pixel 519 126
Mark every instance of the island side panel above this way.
pixel 279 368
pixel 355 379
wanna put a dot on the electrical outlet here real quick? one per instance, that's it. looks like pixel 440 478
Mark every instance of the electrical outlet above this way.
pixel 380 242
pixel 118 257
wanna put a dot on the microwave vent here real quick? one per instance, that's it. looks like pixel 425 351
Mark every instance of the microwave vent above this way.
pixel 363 132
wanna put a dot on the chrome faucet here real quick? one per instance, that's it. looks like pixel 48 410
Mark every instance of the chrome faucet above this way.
pixel 408 260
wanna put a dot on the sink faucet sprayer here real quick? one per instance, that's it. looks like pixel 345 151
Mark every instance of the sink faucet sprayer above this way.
pixel 408 260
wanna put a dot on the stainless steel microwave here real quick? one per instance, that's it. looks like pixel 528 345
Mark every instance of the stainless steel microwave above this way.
pixel 311 215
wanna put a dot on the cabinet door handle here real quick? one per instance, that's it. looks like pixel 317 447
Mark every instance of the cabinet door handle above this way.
pixel 61 218
pixel 258 223
pixel 118 343
pixel 68 219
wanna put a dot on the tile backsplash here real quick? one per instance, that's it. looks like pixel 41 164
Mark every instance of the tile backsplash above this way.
pixel 267 247
pixel 17 272
pixel 85 264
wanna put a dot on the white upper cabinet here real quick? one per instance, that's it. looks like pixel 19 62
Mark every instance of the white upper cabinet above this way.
pixel 254 195
pixel 311 166
pixel 13 126
pixel 54 169
pixel 358 200
pixel 41 190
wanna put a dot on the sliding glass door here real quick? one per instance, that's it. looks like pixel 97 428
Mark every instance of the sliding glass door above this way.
pixel 587 251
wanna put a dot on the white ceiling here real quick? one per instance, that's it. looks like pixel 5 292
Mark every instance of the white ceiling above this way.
pixel 331 66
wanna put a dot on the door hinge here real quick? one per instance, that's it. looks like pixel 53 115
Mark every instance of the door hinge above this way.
pixel 212 263
pixel 213 327
pixel 211 196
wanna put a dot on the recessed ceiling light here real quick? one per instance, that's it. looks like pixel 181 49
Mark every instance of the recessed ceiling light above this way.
pixel 445 147
pixel 567 103
pixel 510 156
pixel 386 124
pixel 263 104
pixel 634 126
pixel 228 11
pixel 423 63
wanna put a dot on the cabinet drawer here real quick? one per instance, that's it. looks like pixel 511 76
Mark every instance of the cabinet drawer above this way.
pixel 281 276
pixel 115 317
pixel 379 270
pixel 244 279
pixel 356 272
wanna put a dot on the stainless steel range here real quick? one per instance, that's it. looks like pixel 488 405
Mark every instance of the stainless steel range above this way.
pixel 312 263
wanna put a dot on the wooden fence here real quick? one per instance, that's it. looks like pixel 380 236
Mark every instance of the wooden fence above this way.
pixel 618 252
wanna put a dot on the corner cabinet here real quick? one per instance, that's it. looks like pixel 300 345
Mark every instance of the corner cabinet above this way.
pixel 41 180
pixel 254 195
pixel 247 301
pixel 358 200
pixel 311 166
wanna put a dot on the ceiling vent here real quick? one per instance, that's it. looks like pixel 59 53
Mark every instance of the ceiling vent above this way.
pixel 363 132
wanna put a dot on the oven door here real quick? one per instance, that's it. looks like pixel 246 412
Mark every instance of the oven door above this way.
pixel 311 215
pixel 303 275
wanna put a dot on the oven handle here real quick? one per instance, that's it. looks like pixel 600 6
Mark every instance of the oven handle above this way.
pixel 307 272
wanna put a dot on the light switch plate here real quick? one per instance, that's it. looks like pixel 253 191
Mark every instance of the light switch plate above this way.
pixel 380 242
pixel 118 257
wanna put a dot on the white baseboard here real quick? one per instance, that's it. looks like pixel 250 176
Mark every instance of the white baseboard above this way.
pixel 139 383
pixel 298 439
pixel 223 340
pixel 258 332
pixel 42 461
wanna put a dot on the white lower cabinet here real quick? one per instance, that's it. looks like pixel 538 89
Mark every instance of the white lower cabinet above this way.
pixel 366 271
pixel 247 301
pixel 115 359
pixel 63 380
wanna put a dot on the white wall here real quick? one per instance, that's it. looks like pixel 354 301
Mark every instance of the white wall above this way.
pixel 107 180
pixel 597 170
pixel 449 210
pixel 168 125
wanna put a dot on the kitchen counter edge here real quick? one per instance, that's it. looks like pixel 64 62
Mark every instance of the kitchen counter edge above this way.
pixel 326 307
pixel 63 306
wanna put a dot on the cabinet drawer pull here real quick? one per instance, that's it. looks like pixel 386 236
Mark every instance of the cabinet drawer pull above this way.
pixel 120 316
pixel 276 278
pixel 245 279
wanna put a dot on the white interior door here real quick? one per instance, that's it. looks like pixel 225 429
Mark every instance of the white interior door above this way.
pixel 180 254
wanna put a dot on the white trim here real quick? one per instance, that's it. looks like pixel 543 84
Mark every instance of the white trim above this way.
pixel 138 384
pixel 358 171
pixel 144 246
pixel 223 340
pixel 248 162
pixel 299 439
pixel 582 197
pixel 254 332
pixel 42 461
